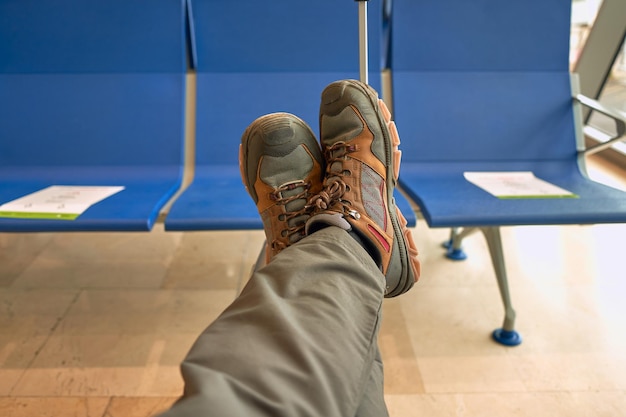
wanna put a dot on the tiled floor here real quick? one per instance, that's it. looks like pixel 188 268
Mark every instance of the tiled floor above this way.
pixel 96 324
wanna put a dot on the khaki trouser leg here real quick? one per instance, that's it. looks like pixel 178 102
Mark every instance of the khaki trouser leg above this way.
pixel 373 403
pixel 300 340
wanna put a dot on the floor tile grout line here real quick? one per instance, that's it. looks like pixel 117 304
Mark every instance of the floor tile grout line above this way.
pixel 61 317
pixel 105 412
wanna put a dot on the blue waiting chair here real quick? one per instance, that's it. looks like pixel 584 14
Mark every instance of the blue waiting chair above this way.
pixel 254 58
pixel 484 85
pixel 92 93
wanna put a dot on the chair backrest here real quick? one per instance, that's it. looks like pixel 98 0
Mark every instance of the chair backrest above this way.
pixel 482 80
pixel 91 83
pixel 258 57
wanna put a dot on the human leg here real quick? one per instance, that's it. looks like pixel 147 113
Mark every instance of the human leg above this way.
pixel 300 340
pixel 373 402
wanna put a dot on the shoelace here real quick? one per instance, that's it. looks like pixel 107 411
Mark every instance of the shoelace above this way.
pixel 335 187
pixel 331 193
pixel 298 227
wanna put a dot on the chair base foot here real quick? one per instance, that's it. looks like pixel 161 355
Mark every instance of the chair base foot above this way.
pixel 456 254
pixel 507 337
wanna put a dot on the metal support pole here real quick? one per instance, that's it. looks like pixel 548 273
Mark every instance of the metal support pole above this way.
pixel 507 334
pixel 601 48
pixel 363 70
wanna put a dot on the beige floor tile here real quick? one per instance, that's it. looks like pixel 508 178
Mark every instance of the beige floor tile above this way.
pixel 111 380
pixel 568 289
pixel 212 260
pixel 254 256
pixel 255 243
pixel 402 373
pixel 553 272
pixel 453 320
pixel 569 319
pixel 102 260
pixel 53 407
pixel 573 372
pixel 112 246
pixel 604 246
pixel 119 343
pixel 564 255
pixel 126 273
pixel 138 407
pixel 596 404
pixel 8 379
pixel 431 405
pixel 558 404
pixel 27 318
pixel 485 373
pixel 565 404
pixel 17 252
pixel 105 312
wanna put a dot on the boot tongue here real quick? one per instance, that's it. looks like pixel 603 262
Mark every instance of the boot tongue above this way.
pixel 336 167
pixel 297 204
pixel 294 206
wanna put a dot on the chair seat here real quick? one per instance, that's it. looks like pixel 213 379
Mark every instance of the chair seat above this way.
pixel 216 200
pixel 136 208
pixel 447 199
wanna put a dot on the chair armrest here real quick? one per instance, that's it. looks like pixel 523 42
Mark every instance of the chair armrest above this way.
pixel 619 117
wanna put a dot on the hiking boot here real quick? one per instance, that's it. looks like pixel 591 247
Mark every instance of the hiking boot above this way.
pixel 281 166
pixel 360 145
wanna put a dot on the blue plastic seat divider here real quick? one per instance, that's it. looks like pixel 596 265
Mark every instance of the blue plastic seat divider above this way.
pixel 92 93
pixel 484 85
pixel 255 58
